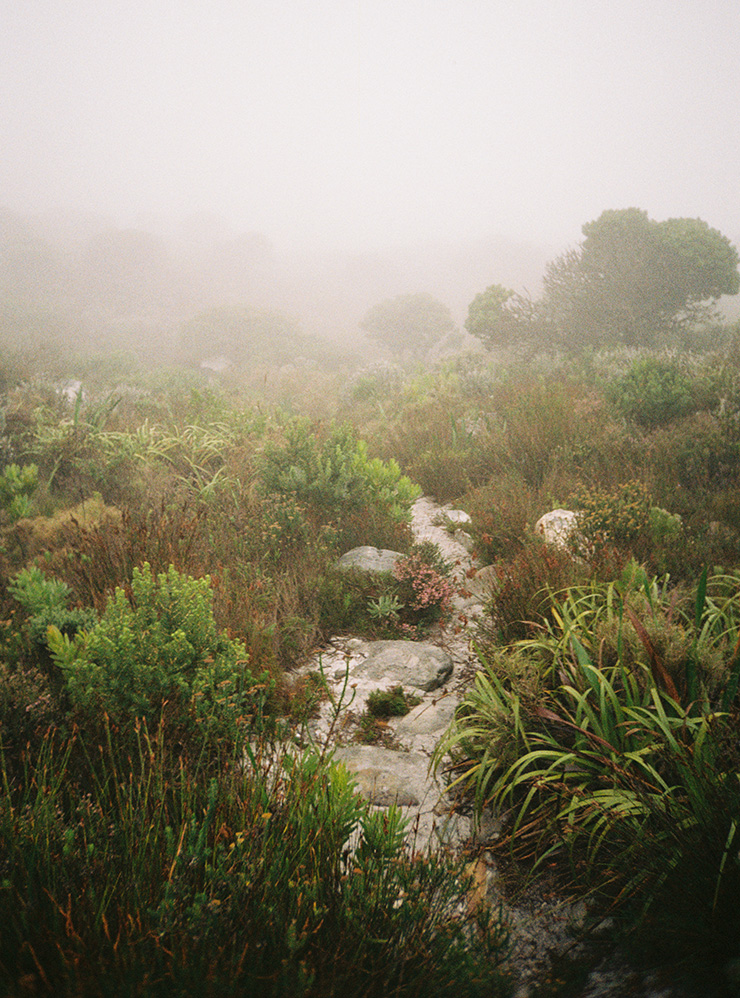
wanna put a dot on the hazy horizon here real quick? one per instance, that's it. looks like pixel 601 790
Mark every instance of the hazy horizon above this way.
pixel 363 125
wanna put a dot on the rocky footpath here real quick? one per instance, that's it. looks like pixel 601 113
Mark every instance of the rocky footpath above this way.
pixel 434 671
pixel 437 671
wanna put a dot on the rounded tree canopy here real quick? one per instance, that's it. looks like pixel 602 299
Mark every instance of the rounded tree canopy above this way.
pixel 499 316
pixel 414 322
pixel 631 281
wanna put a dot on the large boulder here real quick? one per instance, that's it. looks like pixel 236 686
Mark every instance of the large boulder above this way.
pixel 369 559
pixel 416 664
pixel 559 527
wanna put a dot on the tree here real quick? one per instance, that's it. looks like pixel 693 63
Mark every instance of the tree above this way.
pixel 632 281
pixel 413 322
pixel 499 316
pixel 637 281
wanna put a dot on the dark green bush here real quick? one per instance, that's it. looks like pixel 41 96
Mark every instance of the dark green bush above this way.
pixel 159 646
pixel 653 392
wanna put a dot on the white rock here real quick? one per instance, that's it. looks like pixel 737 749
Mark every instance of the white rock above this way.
pixel 558 527
pixel 369 559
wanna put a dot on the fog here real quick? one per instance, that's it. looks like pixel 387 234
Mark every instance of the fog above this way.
pixel 320 155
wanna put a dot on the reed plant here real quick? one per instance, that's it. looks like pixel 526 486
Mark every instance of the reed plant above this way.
pixel 608 740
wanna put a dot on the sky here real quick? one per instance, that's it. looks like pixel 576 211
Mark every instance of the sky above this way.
pixel 359 124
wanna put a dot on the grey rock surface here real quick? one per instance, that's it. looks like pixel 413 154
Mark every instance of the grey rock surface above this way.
pixel 415 664
pixel 558 527
pixel 369 559
pixel 385 776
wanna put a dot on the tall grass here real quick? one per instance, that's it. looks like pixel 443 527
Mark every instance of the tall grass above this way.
pixel 131 873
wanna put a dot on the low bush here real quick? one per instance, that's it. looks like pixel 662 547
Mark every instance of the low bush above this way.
pixel 424 588
pixel 393 702
pixel 500 513
pixel 158 649
pixel 520 603
pixel 406 602
pixel 540 419
pixel 335 477
pixel 619 516
pixel 653 392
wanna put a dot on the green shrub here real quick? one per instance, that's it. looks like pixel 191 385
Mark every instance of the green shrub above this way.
pixel 653 392
pixel 336 475
pixel 693 459
pixel 17 485
pixel 45 600
pixel 393 702
pixel 353 601
pixel 665 528
pixel 626 518
pixel 160 646
pixel 382 705
pixel 445 445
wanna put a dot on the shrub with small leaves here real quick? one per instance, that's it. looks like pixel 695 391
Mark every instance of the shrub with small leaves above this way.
pixel 619 516
pixel 653 392
pixel 335 476
pixel 160 646
pixel 17 485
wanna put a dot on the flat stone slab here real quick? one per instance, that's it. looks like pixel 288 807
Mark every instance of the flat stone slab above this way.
pixel 428 718
pixel 383 788
pixel 386 776
pixel 369 559
pixel 416 664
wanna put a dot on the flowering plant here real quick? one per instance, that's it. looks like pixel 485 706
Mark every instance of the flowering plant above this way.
pixel 425 591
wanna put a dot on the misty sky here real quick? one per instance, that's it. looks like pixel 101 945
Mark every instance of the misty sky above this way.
pixel 360 123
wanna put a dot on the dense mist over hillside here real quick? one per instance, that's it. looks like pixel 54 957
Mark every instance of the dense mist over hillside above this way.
pixel 314 159
pixel 355 125
pixel 80 271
